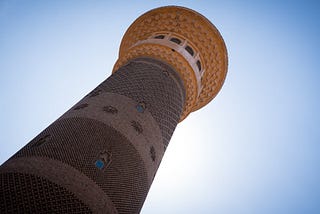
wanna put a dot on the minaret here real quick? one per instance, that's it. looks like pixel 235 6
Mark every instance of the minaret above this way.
pixel 101 155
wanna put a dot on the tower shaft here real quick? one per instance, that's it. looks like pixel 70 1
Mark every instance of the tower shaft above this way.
pixel 103 153
pixel 101 156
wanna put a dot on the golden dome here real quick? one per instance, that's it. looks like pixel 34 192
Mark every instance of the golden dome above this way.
pixel 187 41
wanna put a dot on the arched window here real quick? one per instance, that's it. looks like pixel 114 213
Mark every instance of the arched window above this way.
pixel 199 65
pixel 175 40
pixel 190 50
pixel 159 37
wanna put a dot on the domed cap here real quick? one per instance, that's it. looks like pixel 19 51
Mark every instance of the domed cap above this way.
pixel 187 41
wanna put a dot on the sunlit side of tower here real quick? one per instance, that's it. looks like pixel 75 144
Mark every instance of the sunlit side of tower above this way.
pixel 101 156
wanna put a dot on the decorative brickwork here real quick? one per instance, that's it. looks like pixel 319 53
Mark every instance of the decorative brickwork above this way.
pixel 101 156
pixel 198 32
pixel 24 193
pixel 102 150
pixel 143 79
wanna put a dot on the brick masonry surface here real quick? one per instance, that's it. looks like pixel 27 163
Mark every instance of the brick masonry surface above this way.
pixel 102 155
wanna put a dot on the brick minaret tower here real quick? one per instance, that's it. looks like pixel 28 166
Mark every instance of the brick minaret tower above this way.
pixel 101 156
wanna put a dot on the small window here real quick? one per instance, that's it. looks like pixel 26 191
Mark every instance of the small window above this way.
pixel 95 93
pixel 110 109
pixel 42 140
pixel 190 50
pixel 104 160
pixel 141 107
pixel 159 37
pixel 199 65
pixel 81 106
pixel 99 164
pixel 152 153
pixel 137 126
pixel 175 40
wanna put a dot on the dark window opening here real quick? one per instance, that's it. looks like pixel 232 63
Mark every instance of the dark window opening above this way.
pixel 199 65
pixel 95 93
pixel 110 109
pixel 153 153
pixel 166 73
pixel 81 106
pixel 159 37
pixel 104 160
pixel 42 140
pixel 190 50
pixel 175 40
pixel 137 126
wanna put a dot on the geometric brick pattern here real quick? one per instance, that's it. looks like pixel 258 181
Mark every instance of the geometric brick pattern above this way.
pixel 126 119
pixel 175 60
pixel 88 139
pixel 143 79
pixel 79 142
pixel 24 193
pixel 102 155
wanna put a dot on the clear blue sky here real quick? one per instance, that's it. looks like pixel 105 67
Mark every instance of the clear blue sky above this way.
pixel 255 149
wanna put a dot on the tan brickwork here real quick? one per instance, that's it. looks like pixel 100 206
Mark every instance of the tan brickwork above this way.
pixel 203 37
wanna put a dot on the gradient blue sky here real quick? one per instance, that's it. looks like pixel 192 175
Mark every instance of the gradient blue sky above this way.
pixel 254 149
